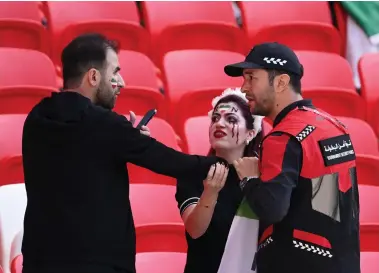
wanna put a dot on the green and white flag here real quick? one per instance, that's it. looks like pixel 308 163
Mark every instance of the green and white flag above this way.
pixel 362 31
pixel 242 242
pixel 366 15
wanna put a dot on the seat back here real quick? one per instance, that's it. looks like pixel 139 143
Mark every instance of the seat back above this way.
pixel 12 209
pixel 22 25
pixel 204 78
pixel 362 136
pixel 117 20
pixel 141 92
pixel 169 262
pixel 22 85
pixel 303 26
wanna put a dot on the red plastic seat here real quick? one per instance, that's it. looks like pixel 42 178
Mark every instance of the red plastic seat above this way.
pixel 16 264
pixel 117 20
pixel 13 202
pixel 369 204
pixel 194 78
pixel 366 149
pixel 11 170
pixel 21 26
pixel 328 81
pixel 368 68
pixel 161 262
pixel 142 91
pixel 192 25
pixel 369 262
pixel 22 85
pixel 196 131
pixel 159 226
pixel 164 133
pixel 341 20
pixel 300 25
pixel 369 217
pixel 362 135
pixel 16 258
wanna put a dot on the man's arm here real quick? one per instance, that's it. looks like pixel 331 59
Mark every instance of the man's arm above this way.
pixel 270 194
pixel 132 146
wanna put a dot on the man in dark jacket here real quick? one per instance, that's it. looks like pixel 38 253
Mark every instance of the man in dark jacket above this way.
pixel 75 149
pixel 304 186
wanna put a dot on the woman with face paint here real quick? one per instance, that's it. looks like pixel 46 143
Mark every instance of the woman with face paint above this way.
pixel 208 207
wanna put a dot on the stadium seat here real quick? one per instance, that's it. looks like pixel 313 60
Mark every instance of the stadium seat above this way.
pixel 16 258
pixel 362 135
pixel 369 236
pixel 193 79
pixel 328 81
pixel 192 25
pixel 159 226
pixel 196 131
pixel 164 133
pixel 369 217
pixel 22 83
pixel 12 209
pixel 161 262
pixel 370 262
pixel 369 204
pixel 366 149
pixel 141 92
pixel 11 170
pixel 22 26
pixel 117 20
pixel 16 264
pixel 341 21
pixel 300 25
pixel 368 68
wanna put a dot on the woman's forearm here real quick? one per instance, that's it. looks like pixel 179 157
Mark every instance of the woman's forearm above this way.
pixel 198 218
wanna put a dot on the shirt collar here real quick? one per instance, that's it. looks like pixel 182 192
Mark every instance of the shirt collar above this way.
pixel 291 107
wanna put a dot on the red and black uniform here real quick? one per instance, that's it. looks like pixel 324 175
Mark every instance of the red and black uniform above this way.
pixel 307 195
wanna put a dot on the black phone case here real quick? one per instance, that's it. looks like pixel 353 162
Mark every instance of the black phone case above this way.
pixel 145 120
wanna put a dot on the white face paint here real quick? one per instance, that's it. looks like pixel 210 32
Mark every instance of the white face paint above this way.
pixel 111 82
pixel 228 128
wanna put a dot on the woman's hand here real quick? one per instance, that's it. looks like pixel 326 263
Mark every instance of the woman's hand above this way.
pixel 216 178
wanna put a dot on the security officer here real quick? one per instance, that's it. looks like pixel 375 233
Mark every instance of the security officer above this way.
pixel 304 186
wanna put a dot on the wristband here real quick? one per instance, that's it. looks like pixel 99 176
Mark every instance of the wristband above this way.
pixel 244 181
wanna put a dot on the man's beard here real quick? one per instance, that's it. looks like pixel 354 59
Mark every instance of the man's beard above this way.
pixel 104 100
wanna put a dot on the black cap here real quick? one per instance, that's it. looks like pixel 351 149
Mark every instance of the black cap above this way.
pixel 268 56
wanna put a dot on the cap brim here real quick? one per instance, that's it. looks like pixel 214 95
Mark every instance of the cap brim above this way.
pixel 236 70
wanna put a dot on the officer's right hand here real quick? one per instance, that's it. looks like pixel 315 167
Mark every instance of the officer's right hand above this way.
pixel 216 178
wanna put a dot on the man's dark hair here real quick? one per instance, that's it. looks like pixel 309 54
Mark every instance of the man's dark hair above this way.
pixel 294 80
pixel 83 53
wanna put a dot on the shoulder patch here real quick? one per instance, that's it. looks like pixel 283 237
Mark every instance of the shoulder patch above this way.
pixel 337 150
pixel 305 132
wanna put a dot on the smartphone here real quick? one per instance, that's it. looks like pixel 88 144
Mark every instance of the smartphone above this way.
pixel 148 116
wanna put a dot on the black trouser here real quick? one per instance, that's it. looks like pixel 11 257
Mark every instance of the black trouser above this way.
pixel 76 268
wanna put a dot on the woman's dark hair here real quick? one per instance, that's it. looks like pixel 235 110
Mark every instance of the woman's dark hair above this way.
pixel 253 146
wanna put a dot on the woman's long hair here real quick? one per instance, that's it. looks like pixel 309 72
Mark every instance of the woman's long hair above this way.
pixel 253 147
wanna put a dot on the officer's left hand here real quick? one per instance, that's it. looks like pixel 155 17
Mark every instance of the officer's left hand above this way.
pixel 246 166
